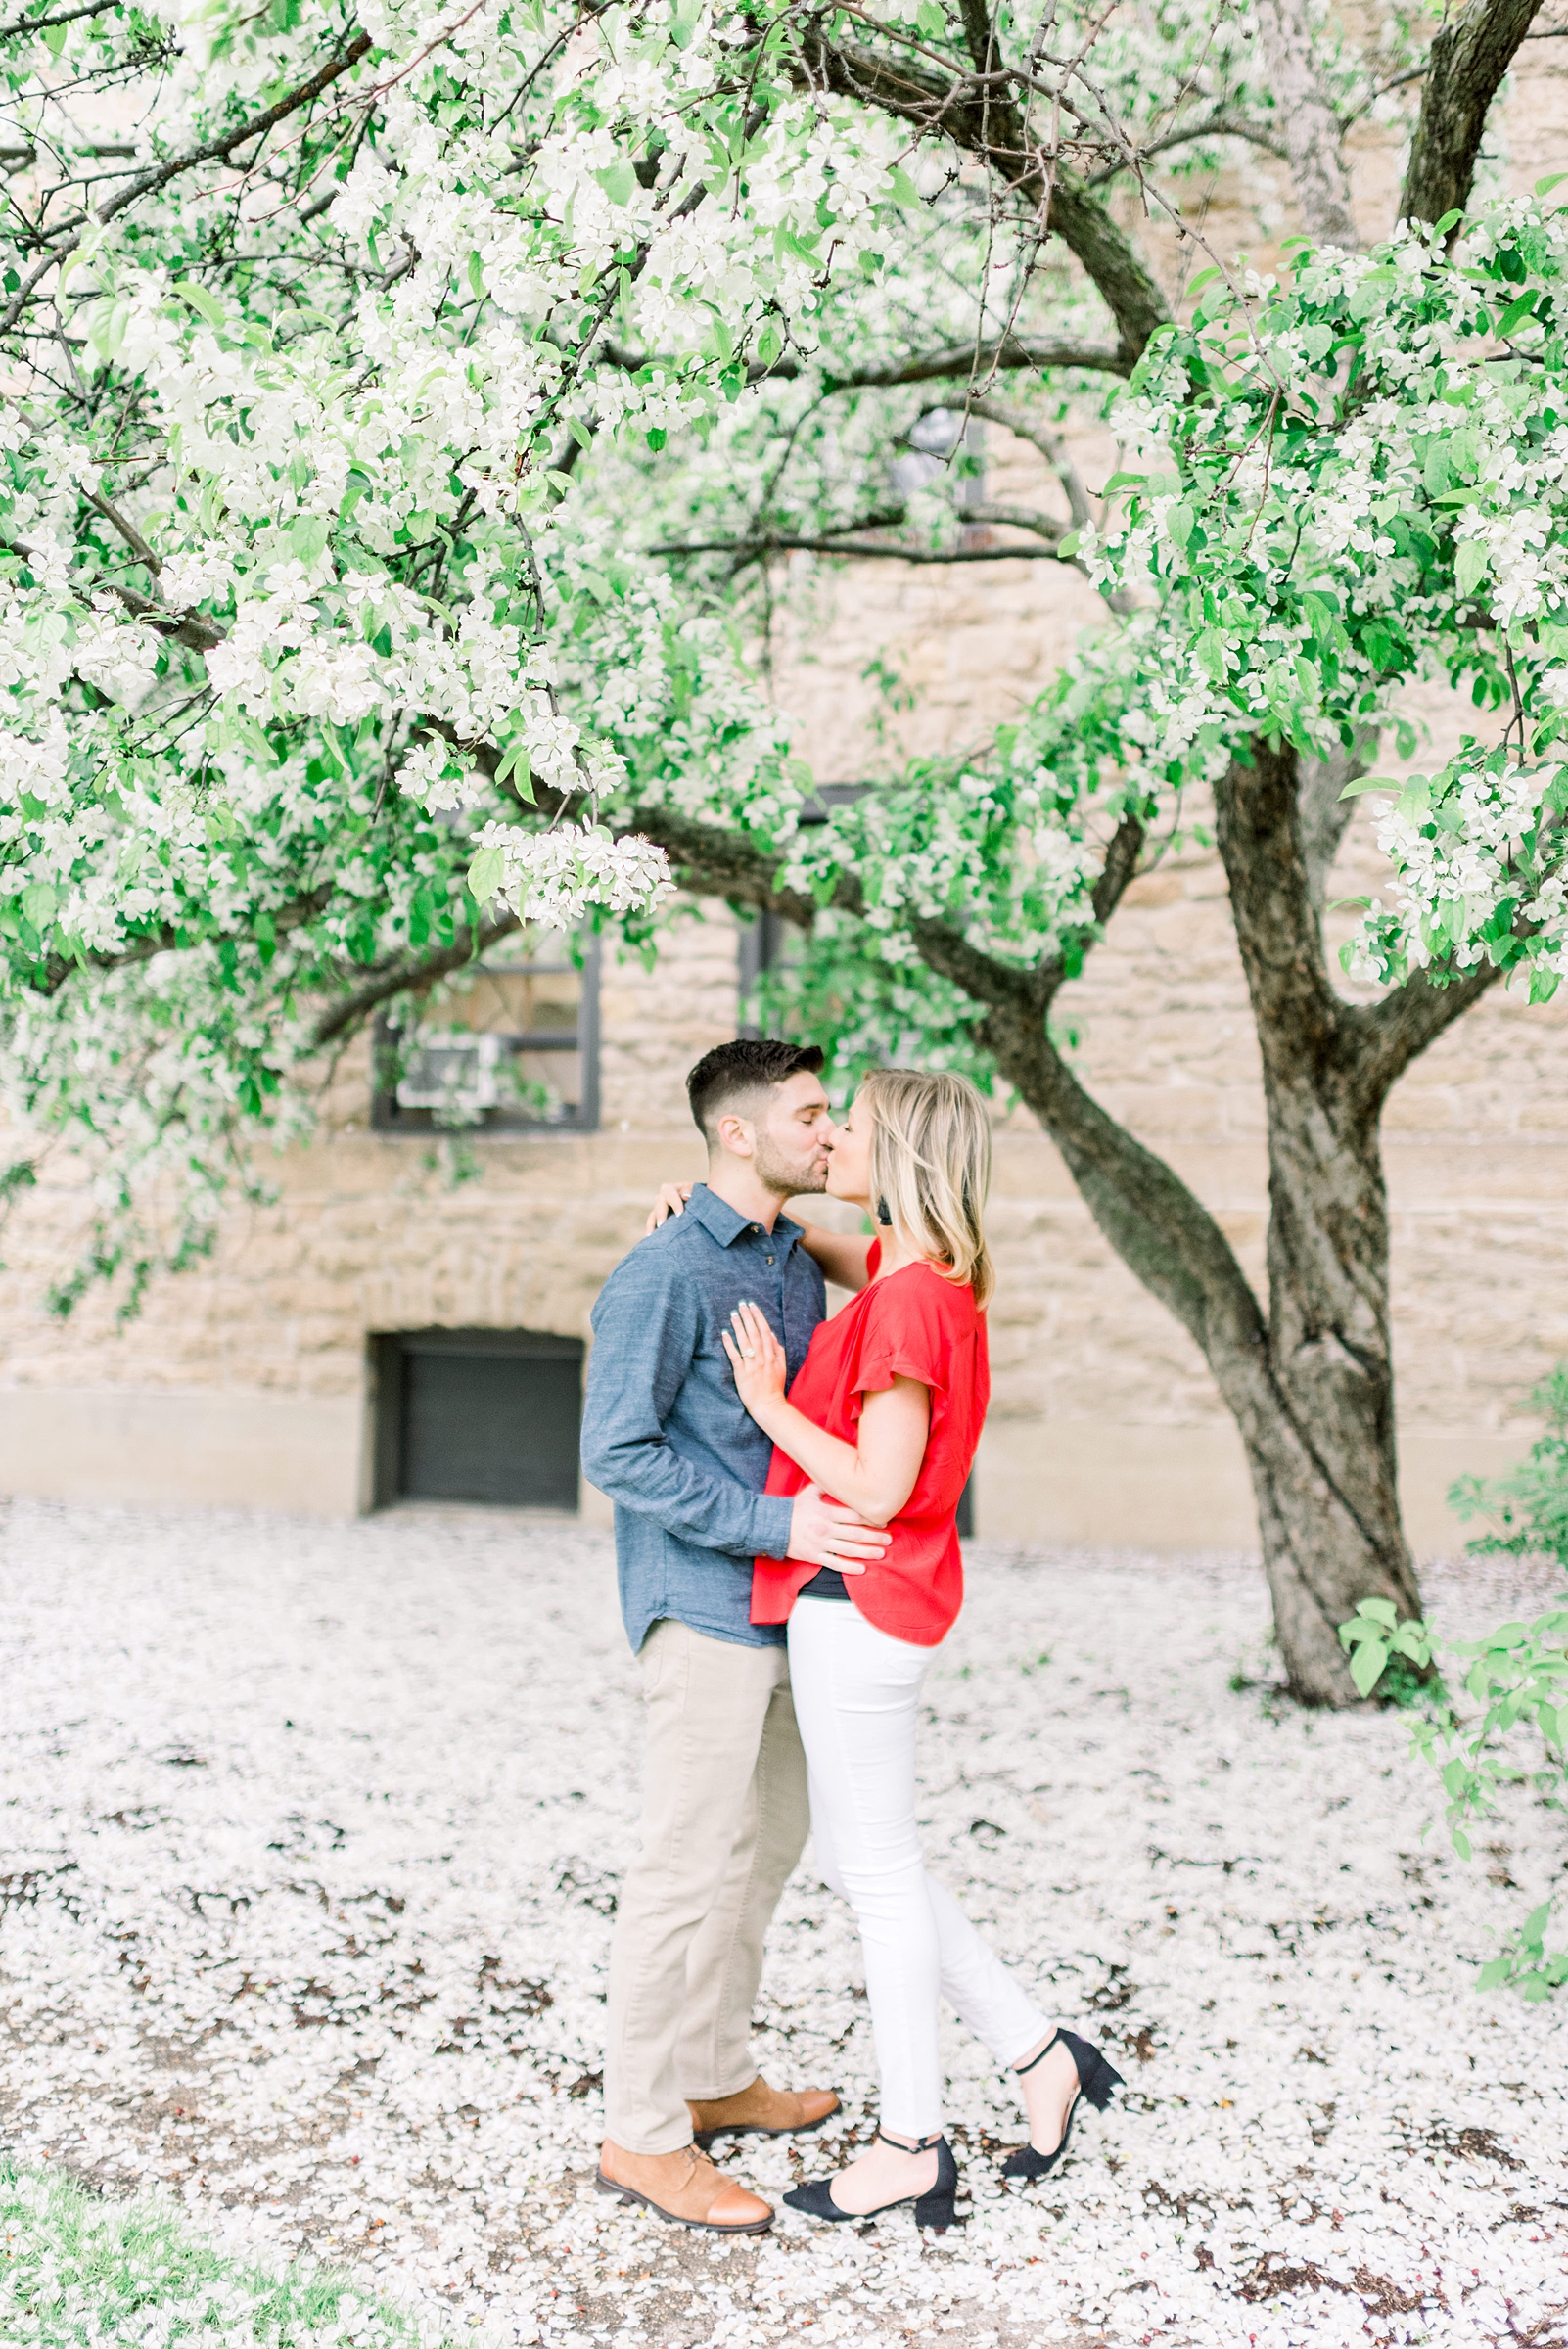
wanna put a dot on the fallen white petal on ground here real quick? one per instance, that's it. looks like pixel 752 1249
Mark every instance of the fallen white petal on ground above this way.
pixel 310 1842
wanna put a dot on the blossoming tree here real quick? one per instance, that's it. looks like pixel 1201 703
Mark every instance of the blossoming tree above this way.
pixel 403 408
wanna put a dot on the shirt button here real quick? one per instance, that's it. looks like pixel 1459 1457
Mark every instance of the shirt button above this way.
pixel 770 1260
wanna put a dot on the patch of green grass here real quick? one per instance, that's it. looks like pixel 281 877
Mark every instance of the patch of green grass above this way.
pixel 80 2272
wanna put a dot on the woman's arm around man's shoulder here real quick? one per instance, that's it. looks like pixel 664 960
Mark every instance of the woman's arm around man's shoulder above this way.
pixel 842 1255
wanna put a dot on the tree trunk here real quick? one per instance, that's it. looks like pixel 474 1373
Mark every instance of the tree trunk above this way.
pixel 1307 123
pixel 1319 1428
pixel 1311 1386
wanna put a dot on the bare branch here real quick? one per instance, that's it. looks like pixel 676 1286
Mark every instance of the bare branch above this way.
pixel 1048 527
pixel 1051 447
pixel 1467 60
pixel 1006 353
pixel 127 529
pixel 1214 126
pixel 1416 1015
pixel 65 16
pixel 782 542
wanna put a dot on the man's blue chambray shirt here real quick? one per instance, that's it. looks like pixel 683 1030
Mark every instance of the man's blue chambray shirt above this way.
pixel 664 1433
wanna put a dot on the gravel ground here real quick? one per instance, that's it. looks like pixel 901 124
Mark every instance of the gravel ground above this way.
pixel 310 1842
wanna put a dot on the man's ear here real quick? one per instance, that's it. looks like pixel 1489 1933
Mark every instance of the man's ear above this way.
pixel 735 1134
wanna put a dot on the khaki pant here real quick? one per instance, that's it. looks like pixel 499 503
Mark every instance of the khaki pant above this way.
pixel 723 1821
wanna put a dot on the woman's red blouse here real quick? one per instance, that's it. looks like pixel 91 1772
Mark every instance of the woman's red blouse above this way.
pixel 914 1324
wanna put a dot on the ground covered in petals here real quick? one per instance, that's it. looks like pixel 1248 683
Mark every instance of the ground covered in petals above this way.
pixel 310 1840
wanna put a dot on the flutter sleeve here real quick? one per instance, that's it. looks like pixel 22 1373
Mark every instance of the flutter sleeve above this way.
pixel 908 1333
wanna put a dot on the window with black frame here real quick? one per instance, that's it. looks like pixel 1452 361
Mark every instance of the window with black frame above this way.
pixel 508 1045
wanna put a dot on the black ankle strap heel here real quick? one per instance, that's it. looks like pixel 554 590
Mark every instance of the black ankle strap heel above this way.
pixel 936 2209
pixel 1095 2081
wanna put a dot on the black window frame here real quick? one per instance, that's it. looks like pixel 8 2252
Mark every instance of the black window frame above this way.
pixel 388 1116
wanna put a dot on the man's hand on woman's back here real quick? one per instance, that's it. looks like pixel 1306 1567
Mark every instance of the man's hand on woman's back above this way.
pixel 824 1533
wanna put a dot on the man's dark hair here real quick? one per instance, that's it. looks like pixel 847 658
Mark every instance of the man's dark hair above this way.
pixel 726 1076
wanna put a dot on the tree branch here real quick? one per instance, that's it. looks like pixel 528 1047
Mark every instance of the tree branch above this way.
pixel 64 15
pixel 1005 354
pixel 146 182
pixel 1467 60
pixel 970 115
pixel 1403 1025
pixel 1324 813
pixel 1218 126
pixel 1312 129
pixel 750 550
pixel 57 969
pixel 1302 1024
pixel 410 978
pixel 1051 446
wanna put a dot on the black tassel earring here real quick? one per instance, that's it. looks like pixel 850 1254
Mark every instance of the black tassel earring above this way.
pixel 883 1216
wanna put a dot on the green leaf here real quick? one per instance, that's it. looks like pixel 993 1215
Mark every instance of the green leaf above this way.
pixel 308 535
pixel 485 874
pixel 905 191
pixel 1471 566
pixel 1178 522
pixel 1553 179
pixel 1366 1664
pixel 1515 310
pixel 580 432
pixel 1379 1610
pixel 1494 1974
pixel 1123 481
pixel 929 19
pixel 1354 791
pixel 38 903
pixel 618 180
pixel 55 38
pixel 197 298
pixel 476 274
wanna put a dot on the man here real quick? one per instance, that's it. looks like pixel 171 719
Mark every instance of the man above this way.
pixel 724 1804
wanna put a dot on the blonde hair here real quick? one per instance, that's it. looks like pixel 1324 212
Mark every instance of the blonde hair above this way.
pixel 930 1166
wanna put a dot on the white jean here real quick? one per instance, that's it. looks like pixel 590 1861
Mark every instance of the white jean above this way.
pixel 857 1696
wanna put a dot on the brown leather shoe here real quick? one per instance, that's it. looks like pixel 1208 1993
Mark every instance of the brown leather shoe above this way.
pixel 684 2187
pixel 761 2112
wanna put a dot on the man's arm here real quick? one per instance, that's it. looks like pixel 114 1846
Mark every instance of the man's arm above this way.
pixel 646 1328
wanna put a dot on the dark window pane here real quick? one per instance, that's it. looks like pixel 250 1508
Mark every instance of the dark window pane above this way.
pixel 490 1426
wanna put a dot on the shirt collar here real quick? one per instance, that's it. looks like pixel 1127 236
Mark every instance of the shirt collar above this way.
pixel 726 1225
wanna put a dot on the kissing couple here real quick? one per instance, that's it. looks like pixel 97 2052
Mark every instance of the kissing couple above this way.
pixel 786 1490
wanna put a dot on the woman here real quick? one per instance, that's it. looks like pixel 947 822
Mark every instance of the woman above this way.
pixel 885 1415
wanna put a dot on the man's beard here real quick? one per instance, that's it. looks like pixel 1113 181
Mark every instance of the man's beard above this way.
pixel 785 1177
